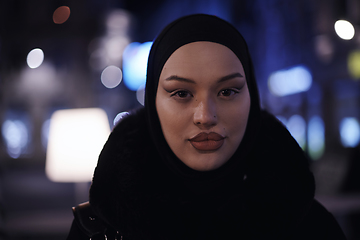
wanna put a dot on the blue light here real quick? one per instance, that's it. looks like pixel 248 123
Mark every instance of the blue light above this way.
pixel 290 81
pixel 135 58
pixel 16 137
pixel 350 132
pixel 316 137
pixel 296 126
pixel 282 119
pixel 140 95
pixel 45 133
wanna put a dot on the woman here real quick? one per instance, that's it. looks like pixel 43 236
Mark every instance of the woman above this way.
pixel 202 160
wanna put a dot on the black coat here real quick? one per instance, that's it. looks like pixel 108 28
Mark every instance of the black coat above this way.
pixel 135 196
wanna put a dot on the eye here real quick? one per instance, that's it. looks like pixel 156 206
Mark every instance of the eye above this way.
pixel 228 92
pixel 181 94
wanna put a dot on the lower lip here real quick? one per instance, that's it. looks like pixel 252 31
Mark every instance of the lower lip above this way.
pixel 209 145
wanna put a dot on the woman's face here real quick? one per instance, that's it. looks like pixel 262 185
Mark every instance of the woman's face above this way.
pixel 203 104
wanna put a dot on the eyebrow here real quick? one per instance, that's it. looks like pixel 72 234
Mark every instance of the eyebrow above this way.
pixel 230 76
pixel 181 79
pixel 222 79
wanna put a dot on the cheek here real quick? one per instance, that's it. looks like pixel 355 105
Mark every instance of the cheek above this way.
pixel 172 122
pixel 236 122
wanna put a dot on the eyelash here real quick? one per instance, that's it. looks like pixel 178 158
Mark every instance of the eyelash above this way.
pixel 231 90
pixel 234 91
pixel 176 93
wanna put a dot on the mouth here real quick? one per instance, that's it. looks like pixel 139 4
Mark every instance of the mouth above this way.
pixel 207 141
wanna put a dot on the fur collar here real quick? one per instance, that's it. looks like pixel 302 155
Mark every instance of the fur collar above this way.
pixel 133 192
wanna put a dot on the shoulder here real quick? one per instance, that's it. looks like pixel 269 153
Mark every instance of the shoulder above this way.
pixel 132 127
pixel 273 132
pixel 133 120
pixel 123 152
pixel 319 223
pixel 275 148
pixel 122 169
pixel 126 142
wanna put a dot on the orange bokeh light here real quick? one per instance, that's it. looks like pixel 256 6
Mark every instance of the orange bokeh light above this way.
pixel 61 14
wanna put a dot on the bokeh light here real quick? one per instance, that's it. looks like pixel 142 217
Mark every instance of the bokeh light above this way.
pixel 45 133
pixel 119 117
pixel 296 126
pixel 135 64
pixel 40 83
pixel 76 137
pixel 316 137
pixel 98 59
pixel 350 132
pixel 140 95
pixel 354 64
pixel 282 119
pixel 117 22
pixel 115 47
pixel 344 29
pixel 111 76
pixel 290 81
pixel 61 14
pixel 108 49
pixel 15 135
pixel 324 48
pixel 35 58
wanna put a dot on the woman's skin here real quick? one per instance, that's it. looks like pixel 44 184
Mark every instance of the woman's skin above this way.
pixel 202 89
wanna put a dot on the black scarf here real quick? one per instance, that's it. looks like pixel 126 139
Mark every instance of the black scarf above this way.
pixel 144 191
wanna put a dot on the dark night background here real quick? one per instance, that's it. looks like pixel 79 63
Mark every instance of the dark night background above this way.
pixel 280 34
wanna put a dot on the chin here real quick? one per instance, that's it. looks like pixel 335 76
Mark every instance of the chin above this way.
pixel 205 163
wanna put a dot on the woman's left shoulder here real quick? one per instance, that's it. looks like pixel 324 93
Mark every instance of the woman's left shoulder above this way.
pixel 319 223
pixel 275 141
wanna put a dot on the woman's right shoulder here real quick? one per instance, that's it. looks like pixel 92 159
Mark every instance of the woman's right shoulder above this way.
pixel 131 120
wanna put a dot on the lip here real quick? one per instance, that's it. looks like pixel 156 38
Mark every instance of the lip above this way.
pixel 207 141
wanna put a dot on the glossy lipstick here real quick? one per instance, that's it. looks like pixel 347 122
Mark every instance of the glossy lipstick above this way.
pixel 207 141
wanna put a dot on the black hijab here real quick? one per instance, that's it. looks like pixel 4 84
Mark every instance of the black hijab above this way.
pixel 142 189
pixel 193 28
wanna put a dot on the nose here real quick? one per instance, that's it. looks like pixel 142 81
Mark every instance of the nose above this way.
pixel 205 115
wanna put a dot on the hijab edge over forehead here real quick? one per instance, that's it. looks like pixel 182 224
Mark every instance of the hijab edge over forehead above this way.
pixel 188 29
pixel 194 28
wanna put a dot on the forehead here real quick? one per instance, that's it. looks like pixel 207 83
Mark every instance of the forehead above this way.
pixel 203 57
